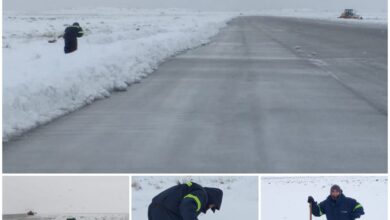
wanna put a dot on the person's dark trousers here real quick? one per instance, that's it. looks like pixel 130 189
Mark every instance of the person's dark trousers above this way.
pixel 158 212
pixel 70 45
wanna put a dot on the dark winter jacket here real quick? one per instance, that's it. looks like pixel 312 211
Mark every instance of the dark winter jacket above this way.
pixel 183 202
pixel 70 36
pixel 343 208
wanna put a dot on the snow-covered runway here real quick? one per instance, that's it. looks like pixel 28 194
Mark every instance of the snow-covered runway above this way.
pixel 266 95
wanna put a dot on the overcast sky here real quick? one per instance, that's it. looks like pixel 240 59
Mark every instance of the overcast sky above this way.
pixel 65 195
pixel 361 5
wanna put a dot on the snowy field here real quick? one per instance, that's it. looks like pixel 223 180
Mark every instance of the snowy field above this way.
pixel 240 199
pixel 369 18
pixel 65 216
pixel 120 47
pixel 286 198
pixel 59 197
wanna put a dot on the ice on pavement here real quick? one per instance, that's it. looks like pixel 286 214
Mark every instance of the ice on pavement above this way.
pixel 120 47
pixel 240 199
pixel 291 193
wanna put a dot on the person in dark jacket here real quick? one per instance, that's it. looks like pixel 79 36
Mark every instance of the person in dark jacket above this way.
pixel 70 36
pixel 184 202
pixel 337 206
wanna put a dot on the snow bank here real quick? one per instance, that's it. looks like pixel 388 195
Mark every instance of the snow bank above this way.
pixel 240 199
pixel 286 198
pixel 120 47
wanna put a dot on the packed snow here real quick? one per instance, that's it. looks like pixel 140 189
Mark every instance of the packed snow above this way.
pixel 286 198
pixel 240 199
pixel 120 47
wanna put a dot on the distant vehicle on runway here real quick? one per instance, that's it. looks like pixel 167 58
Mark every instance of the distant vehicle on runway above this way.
pixel 31 213
pixel 350 14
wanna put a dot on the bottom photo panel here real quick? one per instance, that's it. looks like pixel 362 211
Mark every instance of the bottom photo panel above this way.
pixel 65 198
pixel 157 197
pixel 324 197
pixel 195 197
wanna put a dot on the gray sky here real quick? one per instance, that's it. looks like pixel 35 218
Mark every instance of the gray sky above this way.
pixel 65 194
pixel 361 5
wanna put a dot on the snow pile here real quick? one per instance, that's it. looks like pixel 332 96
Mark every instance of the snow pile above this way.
pixel 120 47
pixel 240 199
pixel 286 198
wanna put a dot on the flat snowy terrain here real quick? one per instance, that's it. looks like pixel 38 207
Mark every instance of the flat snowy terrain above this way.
pixel 286 198
pixel 370 18
pixel 59 197
pixel 240 199
pixel 120 47
pixel 98 216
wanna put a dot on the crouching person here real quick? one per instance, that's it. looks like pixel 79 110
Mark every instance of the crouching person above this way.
pixel 70 37
pixel 184 202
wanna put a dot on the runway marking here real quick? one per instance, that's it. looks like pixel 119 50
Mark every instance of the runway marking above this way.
pixel 324 66
pixel 320 63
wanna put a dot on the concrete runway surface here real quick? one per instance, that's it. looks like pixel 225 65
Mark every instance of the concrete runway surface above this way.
pixel 267 95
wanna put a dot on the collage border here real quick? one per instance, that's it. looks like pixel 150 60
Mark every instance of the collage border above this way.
pixel 259 175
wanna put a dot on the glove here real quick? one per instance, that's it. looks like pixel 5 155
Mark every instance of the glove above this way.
pixel 310 200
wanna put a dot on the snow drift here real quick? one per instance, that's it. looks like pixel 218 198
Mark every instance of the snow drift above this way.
pixel 240 199
pixel 120 47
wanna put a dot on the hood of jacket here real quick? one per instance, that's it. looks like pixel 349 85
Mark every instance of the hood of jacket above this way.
pixel 214 197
